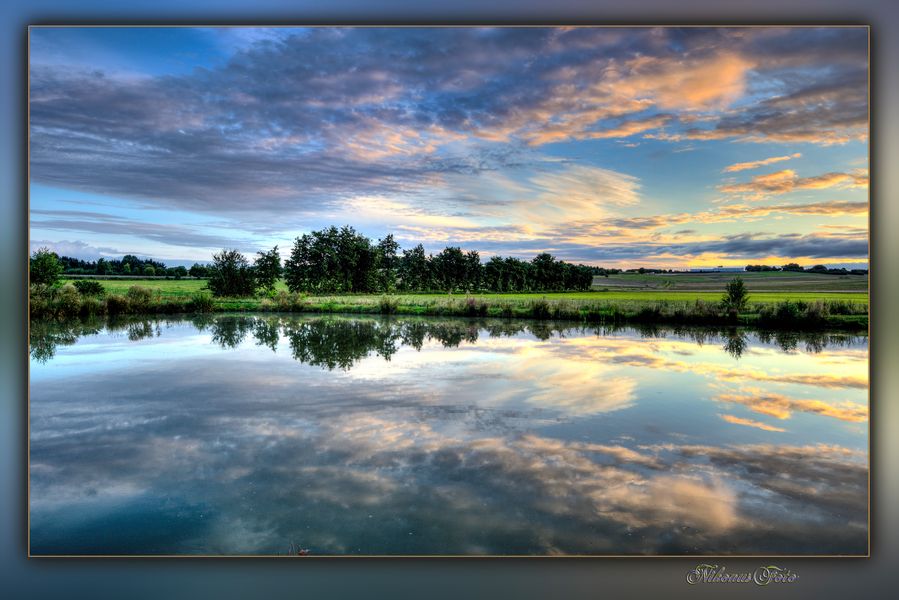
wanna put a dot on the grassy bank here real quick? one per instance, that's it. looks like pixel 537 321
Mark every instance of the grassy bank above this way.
pixel 780 311
pixel 184 289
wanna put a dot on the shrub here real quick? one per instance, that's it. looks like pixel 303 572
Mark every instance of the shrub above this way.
pixel 388 305
pixel 91 305
pixel 44 267
pixel 38 301
pixel 817 312
pixel 648 313
pixel 735 296
pixel 68 300
pixel 201 302
pixel 116 304
pixel 786 311
pixel 139 297
pixel 474 307
pixel 541 309
pixel 231 275
pixel 86 287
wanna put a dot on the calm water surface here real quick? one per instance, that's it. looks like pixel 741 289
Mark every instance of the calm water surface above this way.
pixel 263 434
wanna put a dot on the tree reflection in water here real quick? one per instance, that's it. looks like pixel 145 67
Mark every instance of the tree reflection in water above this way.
pixel 334 341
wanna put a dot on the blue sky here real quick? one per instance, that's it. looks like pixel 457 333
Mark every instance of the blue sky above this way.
pixel 675 147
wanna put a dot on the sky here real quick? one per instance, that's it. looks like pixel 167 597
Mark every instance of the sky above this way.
pixel 617 147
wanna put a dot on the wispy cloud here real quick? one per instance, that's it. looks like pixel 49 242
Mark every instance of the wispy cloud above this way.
pixel 755 164
pixel 750 423
pixel 448 131
pixel 782 407
pixel 93 222
pixel 786 181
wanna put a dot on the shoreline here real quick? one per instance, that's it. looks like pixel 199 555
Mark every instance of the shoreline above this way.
pixel 796 315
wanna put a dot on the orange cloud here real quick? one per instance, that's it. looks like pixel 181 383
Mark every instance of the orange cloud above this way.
pixel 785 181
pixel 743 166
pixel 750 423
pixel 572 111
pixel 626 129
pixel 678 83
pixel 782 407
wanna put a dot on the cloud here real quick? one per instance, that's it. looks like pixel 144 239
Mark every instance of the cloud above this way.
pixel 518 203
pixel 782 407
pixel 94 222
pixel 750 423
pixel 712 81
pixel 627 128
pixel 351 462
pixel 743 166
pixel 76 249
pixel 837 476
pixel 301 121
pixel 745 246
pixel 786 181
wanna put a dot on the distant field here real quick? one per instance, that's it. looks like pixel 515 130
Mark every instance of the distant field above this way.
pixel 627 295
pixel 772 281
pixel 687 287
pixel 170 287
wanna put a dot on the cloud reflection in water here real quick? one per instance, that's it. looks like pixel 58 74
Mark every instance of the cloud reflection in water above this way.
pixel 372 436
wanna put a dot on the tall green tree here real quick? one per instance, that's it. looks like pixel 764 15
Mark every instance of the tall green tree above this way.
pixel 388 263
pixel 450 269
pixel 495 274
pixel 547 272
pixel 415 270
pixel 44 267
pixel 198 270
pixel 298 268
pixel 267 269
pixel 231 274
pixel 473 271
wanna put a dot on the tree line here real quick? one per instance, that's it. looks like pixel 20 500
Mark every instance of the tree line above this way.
pixel 795 267
pixel 342 260
pixel 129 265
pixel 332 260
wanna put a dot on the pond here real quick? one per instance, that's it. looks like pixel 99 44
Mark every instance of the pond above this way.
pixel 334 435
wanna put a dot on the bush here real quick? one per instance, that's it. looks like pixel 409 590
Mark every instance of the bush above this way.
pixel 38 301
pixel 648 313
pixel 735 296
pixel 231 275
pixel 474 307
pixel 139 297
pixel 68 300
pixel 91 305
pixel 44 267
pixel 201 302
pixel 116 304
pixel 541 309
pixel 86 287
pixel 388 305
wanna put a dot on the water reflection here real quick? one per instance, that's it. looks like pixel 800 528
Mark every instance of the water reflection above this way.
pixel 337 341
pixel 250 434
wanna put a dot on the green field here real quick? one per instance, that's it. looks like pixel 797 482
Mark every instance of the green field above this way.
pixel 789 308
pixel 170 288
pixel 832 287
pixel 771 281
